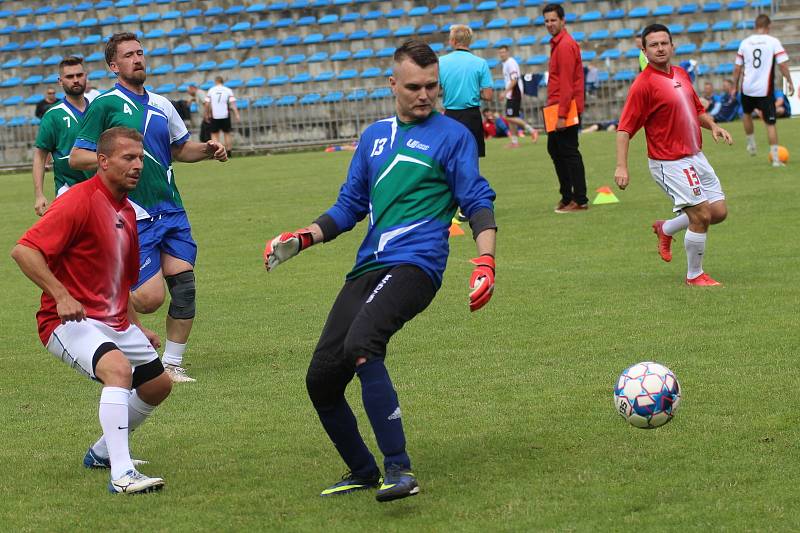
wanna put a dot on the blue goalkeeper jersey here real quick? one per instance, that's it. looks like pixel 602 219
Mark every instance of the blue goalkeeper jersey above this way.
pixel 409 179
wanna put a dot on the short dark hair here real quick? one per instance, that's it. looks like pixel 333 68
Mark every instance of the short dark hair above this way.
pixel 115 40
pixel 762 21
pixel 653 28
pixel 417 51
pixel 70 61
pixel 502 47
pixel 554 7
pixel 219 79
pixel 107 143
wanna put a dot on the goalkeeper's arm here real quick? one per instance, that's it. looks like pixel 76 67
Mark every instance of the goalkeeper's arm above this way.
pixel 287 245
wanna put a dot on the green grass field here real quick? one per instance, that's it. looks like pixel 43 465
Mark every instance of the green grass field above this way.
pixel 508 411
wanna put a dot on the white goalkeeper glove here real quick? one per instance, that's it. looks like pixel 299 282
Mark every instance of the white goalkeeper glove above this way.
pixel 285 246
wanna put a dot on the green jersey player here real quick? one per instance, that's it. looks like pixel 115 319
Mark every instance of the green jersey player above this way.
pixel 167 251
pixel 57 133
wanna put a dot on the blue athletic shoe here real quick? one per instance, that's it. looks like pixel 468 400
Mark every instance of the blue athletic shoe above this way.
pixel 398 483
pixel 92 460
pixel 351 483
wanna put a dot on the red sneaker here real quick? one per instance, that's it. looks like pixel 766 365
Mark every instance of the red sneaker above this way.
pixel 664 241
pixel 703 280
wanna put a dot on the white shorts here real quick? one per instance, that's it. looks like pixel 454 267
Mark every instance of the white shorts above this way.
pixel 75 343
pixel 688 181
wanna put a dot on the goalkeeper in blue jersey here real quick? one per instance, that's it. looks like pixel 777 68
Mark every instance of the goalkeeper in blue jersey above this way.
pixel 409 174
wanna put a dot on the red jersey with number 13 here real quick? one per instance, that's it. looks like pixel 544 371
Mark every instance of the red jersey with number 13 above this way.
pixel 667 107
pixel 89 241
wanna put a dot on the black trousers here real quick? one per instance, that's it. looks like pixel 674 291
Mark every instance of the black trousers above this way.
pixel 366 313
pixel 473 120
pixel 563 149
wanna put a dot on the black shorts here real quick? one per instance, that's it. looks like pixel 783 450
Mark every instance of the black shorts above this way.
pixel 513 106
pixel 765 104
pixel 220 124
pixel 472 119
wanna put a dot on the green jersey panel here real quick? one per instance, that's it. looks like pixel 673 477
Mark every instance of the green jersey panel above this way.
pixel 57 133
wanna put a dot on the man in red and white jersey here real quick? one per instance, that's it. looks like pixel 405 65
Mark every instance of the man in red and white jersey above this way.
pixel 759 54
pixel 664 103
pixel 84 255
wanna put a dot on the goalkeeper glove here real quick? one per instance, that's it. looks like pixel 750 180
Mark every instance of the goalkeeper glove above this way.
pixel 285 246
pixel 481 283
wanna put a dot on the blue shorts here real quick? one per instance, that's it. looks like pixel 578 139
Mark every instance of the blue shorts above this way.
pixel 169 233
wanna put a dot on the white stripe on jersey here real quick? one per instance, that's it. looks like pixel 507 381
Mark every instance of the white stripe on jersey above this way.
pixel 758 53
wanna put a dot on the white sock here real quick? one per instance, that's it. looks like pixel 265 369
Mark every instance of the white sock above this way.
pixel 514 139
pixel 674 225
pixel 751 140
pixel 138 411
pixel 773 152
pixel 113 415
pixel 173 353
pixel 695 245
pixel 528 128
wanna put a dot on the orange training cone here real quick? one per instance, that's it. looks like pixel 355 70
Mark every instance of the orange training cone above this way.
pixel 455 229
pixel 605 196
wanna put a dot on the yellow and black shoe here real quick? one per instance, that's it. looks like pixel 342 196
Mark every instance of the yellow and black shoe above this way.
pixel 398 483
pixel 351 483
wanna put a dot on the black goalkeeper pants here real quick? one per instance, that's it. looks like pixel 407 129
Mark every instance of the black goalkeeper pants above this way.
pixel 367 312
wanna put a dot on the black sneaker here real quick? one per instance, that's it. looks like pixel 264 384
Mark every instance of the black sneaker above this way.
pixel 398 483
pixel 351 483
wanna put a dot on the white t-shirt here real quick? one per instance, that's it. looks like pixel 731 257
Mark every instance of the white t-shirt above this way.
pixel 220 97
pixel 91 94
pixel 759 53
pixel 511 71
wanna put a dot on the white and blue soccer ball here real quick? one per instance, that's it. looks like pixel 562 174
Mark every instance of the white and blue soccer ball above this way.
pixel 647 395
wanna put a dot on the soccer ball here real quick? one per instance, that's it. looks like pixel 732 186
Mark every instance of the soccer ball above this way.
pixel 647 395
pixel 783 155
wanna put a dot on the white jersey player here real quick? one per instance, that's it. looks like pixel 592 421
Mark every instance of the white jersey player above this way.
pixel 220 104
pixel 757 56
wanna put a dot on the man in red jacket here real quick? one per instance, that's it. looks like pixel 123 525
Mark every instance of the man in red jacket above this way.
pixel 565 84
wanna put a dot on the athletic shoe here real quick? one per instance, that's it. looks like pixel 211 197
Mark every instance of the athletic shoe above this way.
pixel 561 205
pixel 92 460
pixel 535 135
pixel 751 149
pixel 573 207
pixel 778 164
pixel 460 216
pixel 664 241
pixel 703 280
pixel 351 483
pixel 398 483
pixel 134 482
pixel 178 374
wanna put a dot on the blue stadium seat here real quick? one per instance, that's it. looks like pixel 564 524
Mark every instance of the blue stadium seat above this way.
pixel 427 29
pixel 570 17
pixel 33 99
pixel 91 39
pixel 278 6
pixel 228 64
pixel 475 24
pixel 745 25
pixel 441 9
pixel 365 53
pixel 310 99
pixel 536 60
pixel 498 85
pixel 504 41
pixel 184 68
pixel 512 4
pixel 160 70
pixel 350 17
pixel 218 28
pixel 94 56
pixel 198 30
pixel 182 49
pixel 335 37
pixel 264 101
pixel 418 11
pixel 291 40
pixel 240 26
pixel 280 79
pixel 526 40
pixel 612 54
pixel 615 14
pixel 623 33
pixel 246 44
pixel 50 43
pixel 72 40
pixel 358 35
pixel 520 22
pixel 761 3
pixel 317 57
pixel 712 7
pixel 372 72
pixel 306 21
pixel 347 74
pixel 663 11
pixel 687 9
pixel 166 88
pixel 9 47
pixel 590 16
pixel 11 82
pixel 588 55
pixel 709 47
pixel 722 25
pixel 150 17
pixel 685 49
pixel 334 96
pixel 83 6
pixel 495 24
pixel 736 5
pixel 213 11
pixel 52 60
pixel 732 45
pixel 12 101
pixel 7 30
pixel 268 42
pixel 262 25
pixel 160 51
pixel 697 27
pixel 492 62
pixel 250 62
pixel 437 47
pixel 639 12
pixel 33 79
pixel 578 36
pixel 192 13
pixel 395 13
pixel 273 61
pixel 624 75
pixel 675 29
pixel 445 28
pixel 632 53
pixel 487 5
pixel 155 33
pixel 328 19
pixel 381 33
pixel 30 27
pixel 463 8
pixel 480 44
pixel 224 46
pixel 380 92
pixel 599 35
pixel 286 100
pixel 545 39
pixel 703 69
pixel 205 66
pixel 97 75
pixel 404 31
pixel 171 15
pixel 385 52
pixel 724 68
pixel 31 62
pixel 372 15
pixel 48 26
pixel 340 55
pixel 358 94
pixel 256 82
pixel 235 10
pixel 295 59
pixel 327 75
pixel 303 77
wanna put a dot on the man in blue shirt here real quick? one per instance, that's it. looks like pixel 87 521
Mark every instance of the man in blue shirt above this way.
pixel 729 108
pixel 465 81
pixel 408 174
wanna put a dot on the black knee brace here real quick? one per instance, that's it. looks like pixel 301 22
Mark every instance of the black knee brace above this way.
pixel 181 290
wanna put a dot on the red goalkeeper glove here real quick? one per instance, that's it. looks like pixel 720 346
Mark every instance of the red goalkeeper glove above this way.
pixel 481 283
pixel 285 246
